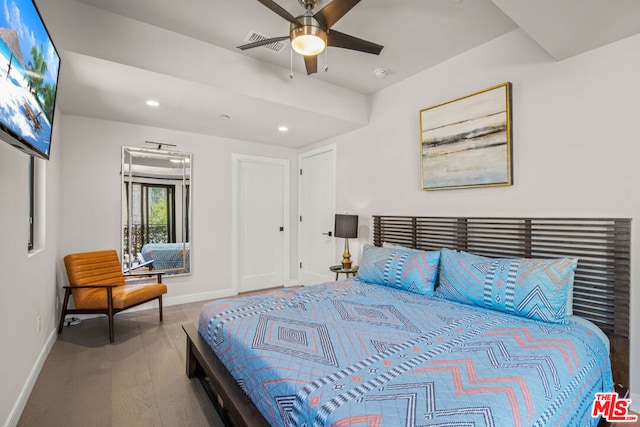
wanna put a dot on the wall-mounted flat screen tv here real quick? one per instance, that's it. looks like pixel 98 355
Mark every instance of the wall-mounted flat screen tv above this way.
pixel 29 66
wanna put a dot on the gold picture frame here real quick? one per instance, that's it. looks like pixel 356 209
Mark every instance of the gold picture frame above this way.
pixel 466 142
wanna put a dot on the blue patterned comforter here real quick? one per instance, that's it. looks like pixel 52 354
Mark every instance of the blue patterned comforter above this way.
pixel 168 256
pixel 353 354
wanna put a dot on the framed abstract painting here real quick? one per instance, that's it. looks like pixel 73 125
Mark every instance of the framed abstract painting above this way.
pixel 466 142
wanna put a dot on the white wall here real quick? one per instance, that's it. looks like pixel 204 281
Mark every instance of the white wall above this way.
pixel 575 143
pixel 28 281
pixel 91 203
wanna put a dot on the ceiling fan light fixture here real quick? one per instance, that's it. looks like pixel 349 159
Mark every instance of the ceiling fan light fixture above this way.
pixel 308 45
pixel 309 38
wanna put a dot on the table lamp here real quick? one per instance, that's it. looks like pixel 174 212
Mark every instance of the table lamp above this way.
pixel 346 226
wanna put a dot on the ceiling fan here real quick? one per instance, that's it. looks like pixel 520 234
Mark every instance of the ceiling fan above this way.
pixel 310 33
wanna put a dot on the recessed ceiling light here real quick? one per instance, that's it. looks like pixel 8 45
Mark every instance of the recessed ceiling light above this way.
pixel 152 103
pixel 283 128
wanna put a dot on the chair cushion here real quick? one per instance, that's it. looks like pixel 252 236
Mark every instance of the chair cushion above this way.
pixel 123 296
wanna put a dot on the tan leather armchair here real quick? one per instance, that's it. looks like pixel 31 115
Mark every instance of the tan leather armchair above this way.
pixel 98 287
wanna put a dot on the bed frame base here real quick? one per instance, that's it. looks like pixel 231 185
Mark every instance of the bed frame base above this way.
pixel 233 405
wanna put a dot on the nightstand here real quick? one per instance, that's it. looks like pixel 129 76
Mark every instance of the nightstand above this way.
pixel 338 269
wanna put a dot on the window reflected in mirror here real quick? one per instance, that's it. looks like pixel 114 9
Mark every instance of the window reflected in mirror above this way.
pixel 156 199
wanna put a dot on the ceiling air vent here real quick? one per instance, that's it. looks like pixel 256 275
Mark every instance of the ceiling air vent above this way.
pixel 254 36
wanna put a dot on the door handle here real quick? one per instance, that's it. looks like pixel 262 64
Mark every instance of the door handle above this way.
pixel 327 234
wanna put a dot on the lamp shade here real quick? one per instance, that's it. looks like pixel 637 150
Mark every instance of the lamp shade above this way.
pixel 346 226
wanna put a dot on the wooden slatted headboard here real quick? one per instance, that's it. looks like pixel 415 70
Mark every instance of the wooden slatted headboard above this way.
pixel 602 246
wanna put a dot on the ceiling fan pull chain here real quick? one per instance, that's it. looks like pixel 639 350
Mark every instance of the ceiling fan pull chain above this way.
pixel 291 63
pixel 326 60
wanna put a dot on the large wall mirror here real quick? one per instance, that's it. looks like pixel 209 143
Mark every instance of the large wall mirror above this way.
pixel 156 211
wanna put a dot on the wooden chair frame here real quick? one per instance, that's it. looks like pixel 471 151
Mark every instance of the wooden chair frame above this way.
pixel 110 311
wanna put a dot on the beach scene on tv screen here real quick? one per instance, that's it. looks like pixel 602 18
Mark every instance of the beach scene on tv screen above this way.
pixel 28 74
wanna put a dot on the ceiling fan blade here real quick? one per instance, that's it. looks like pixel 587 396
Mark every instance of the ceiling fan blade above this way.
pixel 345 41
pixel 262 42
pixel 311 62
pixel 279 10
pixel 331 13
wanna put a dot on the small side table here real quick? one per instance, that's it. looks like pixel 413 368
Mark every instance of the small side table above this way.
pixel 338 269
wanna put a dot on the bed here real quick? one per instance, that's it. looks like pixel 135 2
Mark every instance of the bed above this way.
pixel 168 256
pixel 359 352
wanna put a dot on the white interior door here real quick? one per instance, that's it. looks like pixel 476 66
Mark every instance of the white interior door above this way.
pixel 261 222
pixel 316 205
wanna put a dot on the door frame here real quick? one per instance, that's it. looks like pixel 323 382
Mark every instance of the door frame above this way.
pixel 236 159
pixel 332 148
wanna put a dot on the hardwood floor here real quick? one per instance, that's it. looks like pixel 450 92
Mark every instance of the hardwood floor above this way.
pixel 139 380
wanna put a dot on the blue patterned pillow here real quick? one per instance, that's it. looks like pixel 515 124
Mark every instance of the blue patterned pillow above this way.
pixel 401 268
pixel 527 287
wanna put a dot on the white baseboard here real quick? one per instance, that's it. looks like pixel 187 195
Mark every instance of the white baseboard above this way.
pixel 293 282
pixel 168 301
pixel 203 296
pixel 635 402
pixel 23 397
